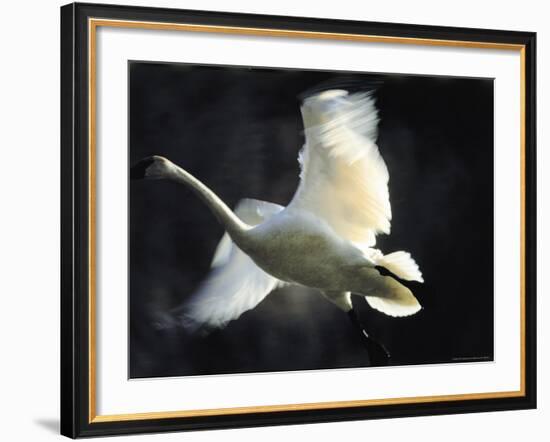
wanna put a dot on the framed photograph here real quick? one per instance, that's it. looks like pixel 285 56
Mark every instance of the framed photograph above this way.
pixel 278 220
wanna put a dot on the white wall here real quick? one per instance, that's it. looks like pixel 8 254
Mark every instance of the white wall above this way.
pixel 29 207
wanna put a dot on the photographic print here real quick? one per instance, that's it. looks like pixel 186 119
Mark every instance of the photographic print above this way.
pixel 286 219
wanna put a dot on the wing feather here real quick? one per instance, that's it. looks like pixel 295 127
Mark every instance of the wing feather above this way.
pixel 228 291
pixel 235 283
pixel 344 179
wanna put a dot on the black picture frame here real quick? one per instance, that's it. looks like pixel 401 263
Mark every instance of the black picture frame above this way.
pixel 77 404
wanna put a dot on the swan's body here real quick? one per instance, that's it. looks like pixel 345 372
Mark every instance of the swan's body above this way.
pixel 323 239
pixel 297 247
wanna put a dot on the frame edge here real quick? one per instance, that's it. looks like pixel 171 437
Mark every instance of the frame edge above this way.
pixel 73 320
pixel 530 220
pixel 68 402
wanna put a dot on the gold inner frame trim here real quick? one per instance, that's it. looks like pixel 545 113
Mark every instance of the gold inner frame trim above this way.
pixel 93 24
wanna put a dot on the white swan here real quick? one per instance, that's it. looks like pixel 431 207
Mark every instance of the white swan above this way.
pixel 323 239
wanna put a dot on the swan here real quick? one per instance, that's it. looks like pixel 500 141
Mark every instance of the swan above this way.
pixel 324 238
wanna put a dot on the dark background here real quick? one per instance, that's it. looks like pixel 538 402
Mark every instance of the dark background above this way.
pixel 239 131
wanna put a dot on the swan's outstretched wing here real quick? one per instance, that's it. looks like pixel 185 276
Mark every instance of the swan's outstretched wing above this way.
pixel 344 179
pixel 235 283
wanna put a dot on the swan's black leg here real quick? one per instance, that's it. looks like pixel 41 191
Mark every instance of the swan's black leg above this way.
pixel 378 355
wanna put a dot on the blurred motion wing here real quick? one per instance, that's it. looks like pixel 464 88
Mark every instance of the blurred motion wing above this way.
pixel 344 179
pixel 235 283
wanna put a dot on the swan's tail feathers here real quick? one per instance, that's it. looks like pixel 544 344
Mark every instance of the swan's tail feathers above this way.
pixel 389 296
pixel 402 265
pixel 395 307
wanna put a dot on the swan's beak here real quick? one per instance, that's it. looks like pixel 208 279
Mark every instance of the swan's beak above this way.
pixel 138 170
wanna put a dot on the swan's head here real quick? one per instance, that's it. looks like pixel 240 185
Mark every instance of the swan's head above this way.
pixel 154 167
pixel 319 108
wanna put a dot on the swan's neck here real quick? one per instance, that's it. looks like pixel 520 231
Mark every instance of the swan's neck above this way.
pixel 231 222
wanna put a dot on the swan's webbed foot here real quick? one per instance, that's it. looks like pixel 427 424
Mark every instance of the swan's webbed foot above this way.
pixel 378 354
